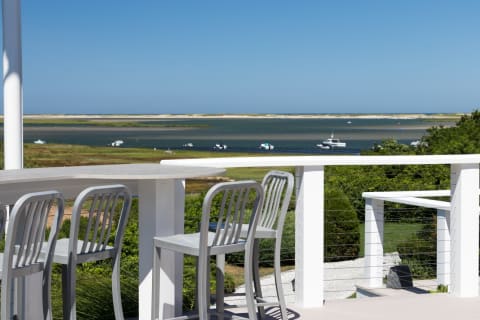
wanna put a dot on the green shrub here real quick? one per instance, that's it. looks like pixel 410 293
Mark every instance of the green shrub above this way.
pixel 342 238
pixel 287 255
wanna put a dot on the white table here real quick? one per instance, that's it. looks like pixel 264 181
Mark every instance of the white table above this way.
pixel 161 192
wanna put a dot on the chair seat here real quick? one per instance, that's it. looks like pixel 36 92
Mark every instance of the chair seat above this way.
pixel 261 232
pixel 61 252
pixel 190 244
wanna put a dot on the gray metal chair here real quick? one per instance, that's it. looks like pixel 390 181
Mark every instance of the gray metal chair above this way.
pixel 101 206
pixel 23 245
pixel 231 203
pixel 278 187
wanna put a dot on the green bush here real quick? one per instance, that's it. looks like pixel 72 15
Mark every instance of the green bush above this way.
pixel 342 238
pixel 287 255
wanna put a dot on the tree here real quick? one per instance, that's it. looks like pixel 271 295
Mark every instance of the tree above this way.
pixel 462 138
pixel 342 237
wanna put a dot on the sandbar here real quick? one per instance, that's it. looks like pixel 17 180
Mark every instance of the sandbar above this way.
pixel 439 116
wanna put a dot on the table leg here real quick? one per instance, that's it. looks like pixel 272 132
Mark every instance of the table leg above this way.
pixel 161 213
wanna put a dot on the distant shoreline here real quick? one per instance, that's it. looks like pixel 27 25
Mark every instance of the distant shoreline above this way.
pixel 441 116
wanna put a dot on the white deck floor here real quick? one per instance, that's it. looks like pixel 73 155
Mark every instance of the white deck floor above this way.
pixel 423 306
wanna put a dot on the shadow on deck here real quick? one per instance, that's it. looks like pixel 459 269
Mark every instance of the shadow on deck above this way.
pixel 425 306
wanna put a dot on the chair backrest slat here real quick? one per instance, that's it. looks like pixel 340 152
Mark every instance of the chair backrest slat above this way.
pixel 107 220
pixel 278 187
pixel 99 212
pixel 103 204
pixel 231 203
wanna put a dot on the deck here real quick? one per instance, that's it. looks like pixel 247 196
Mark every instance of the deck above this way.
pixel 439 306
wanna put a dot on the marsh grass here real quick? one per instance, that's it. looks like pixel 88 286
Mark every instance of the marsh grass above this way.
pixel 113 123
pixel 59 155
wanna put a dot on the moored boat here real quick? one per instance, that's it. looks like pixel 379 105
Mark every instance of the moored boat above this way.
pixel 331 143
pixel 117 143
pixel 266 146
pixel 220 146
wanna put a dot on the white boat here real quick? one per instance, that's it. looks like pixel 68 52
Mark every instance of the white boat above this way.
pixel 266 146
pixel 323 146
pixel 220 146
pixel 188 145
pixel 39 141
pixel 331 143
pixel 117 143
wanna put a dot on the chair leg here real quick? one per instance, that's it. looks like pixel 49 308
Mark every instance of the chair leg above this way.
pixel 116 293
pixel 249 295
pixel 203 292
pixel 220 287
pixel 256 275
pixel 6 303
pixel 278 280
pixel 68 292
pixel 46 292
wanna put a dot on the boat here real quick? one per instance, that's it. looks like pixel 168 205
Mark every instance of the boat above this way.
pixel 220 146
pixel 39 141
pixel 323 146
pixel 188 145
pixel 331 143
pixel 266 146
pixel 117 143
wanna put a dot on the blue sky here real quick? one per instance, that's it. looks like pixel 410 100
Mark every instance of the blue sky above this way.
pixel 262 56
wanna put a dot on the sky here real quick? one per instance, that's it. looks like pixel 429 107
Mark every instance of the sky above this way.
pixel 250 56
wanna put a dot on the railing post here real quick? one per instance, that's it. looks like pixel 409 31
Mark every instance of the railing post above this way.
pixel 464 229
pixel 443 247
pixel 374 222
pixel 309 234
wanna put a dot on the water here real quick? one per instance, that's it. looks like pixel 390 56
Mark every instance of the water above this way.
pixel 244 135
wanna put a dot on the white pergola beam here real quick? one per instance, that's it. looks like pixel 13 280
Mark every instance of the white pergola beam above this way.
pixel 12 85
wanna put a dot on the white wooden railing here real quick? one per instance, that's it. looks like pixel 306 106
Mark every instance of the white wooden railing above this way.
pixel 374 226
pixel 309 223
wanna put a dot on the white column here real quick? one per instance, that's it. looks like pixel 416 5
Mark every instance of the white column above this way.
pixel 161 213
pixel 12 85
pixel 464 229
pixel 443 247
pixel 374 223
pixel 309 231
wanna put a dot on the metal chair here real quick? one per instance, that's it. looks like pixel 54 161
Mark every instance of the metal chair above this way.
pixel 231 203
pixel 23 248
pixel 101 206
pixel 278 187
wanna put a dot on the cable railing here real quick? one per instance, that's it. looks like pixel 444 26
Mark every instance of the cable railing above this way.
pixel 310 216
pixel 320 263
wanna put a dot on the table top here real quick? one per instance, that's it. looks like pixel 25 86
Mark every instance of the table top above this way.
pixel 139 171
